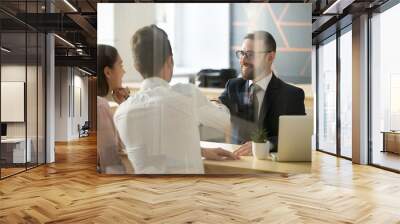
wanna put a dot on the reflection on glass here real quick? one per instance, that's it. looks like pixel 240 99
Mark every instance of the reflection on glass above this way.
pixel 41 99
pixel 385 88
pixel 327 97
pixel 22 92
pixel 31 99
pixel 346 94
pixel 13 74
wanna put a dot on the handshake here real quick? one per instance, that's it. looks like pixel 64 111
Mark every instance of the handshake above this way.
pixel 120 94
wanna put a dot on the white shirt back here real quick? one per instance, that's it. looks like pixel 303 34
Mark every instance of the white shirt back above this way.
pixel 159 127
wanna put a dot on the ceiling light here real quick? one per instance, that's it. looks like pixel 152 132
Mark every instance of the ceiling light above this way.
pixel 335 7
pixel 70 5
pixel 64 40
pixel 84 71
pixel 5 50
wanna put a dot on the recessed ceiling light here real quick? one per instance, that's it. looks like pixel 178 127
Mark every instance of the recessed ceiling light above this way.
pixel 64 40
pixel 84 71
pixel 5 50
pixel 335 7
pixel 70 5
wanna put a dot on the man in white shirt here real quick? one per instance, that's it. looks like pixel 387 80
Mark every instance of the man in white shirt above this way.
pixel 159 125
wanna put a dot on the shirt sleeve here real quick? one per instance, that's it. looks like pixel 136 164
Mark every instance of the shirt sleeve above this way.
pixel 215 115
pixel 110 148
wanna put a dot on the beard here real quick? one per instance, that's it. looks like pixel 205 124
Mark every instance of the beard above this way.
pixel 247 71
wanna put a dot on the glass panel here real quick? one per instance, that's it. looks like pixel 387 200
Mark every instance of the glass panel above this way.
pixel 13 80
pixel 327 97
pixel 386 89
pixel 41 99
pixel 346 94
pixel 31 97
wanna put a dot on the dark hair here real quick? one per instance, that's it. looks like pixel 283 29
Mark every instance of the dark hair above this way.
pixel 151 48
pixel 106 57
pixel 268 39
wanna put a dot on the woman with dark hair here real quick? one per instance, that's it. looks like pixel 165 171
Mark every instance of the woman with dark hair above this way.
pixel 111 155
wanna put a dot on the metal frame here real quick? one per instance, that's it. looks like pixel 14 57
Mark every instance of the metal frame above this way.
pixel 389 4
pixel 44 73
pixel 338 98
pixel 339 32
pixel 381 9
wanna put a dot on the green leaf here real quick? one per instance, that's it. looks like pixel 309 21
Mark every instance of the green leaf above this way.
pixel 259 136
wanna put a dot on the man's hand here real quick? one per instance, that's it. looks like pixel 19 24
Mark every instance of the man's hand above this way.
pixel 217 154
pixel 243 150
pixel 120 94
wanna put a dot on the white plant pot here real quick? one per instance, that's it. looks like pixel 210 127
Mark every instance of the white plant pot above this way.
pixel 260 150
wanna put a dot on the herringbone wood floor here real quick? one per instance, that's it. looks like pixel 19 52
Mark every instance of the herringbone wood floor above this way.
pixel 70 191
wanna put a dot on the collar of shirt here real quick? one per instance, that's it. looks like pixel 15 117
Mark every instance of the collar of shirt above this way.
pixel 263 83
pixel 153 82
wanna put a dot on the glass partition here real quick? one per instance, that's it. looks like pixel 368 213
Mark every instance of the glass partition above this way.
pixel 327 96
pixel 13 86
pixel 346 93
pixel 385 89
pixel 22 91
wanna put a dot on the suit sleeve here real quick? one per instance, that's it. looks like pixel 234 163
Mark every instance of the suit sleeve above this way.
pixel 297 106
pixel 224 97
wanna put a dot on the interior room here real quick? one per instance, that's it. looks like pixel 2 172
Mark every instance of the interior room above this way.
pixel 48 103
pixel 22 99
pixel 204 55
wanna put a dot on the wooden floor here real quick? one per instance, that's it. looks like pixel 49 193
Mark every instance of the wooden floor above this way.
pixel 387 159
pixel 70 191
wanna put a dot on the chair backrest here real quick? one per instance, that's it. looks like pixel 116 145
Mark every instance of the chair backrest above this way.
pixel 216 78
pixel 86 124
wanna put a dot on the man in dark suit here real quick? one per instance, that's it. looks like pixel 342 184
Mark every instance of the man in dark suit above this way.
pixel 258 98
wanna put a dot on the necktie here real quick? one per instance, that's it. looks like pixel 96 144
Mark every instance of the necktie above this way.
pixel 254 88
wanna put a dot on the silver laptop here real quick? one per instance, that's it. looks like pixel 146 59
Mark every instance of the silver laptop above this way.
pixel 294 138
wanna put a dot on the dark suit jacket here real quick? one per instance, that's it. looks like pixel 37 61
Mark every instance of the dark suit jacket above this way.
pixel 280 99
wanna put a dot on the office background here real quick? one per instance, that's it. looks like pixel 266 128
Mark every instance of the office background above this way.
pixel 205 36
pixel 369 41
pixel 22 77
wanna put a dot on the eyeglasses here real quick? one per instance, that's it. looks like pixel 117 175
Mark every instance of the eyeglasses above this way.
pixel 249 54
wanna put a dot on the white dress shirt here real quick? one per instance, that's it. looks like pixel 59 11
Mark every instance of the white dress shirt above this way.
pixel 263 83
pixel 159 126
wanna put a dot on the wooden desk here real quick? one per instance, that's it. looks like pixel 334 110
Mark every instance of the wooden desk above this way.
pixel 249 164
pixel 214 93
pixel 13 150
pixel 391 141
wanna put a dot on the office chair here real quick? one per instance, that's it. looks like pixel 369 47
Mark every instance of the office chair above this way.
pixel 84 130
pixel 215 78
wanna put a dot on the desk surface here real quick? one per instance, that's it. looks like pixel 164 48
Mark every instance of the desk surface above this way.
pixel 249 164
pixel 13 140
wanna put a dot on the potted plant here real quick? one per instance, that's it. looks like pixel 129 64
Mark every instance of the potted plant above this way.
pixel 260 145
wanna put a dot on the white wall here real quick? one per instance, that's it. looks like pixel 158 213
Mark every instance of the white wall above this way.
pixel 127 19
pixel 33 127
pixel 67 115
pixel 199 33
pixel 204 35
pixel 105 29
pixel 15 73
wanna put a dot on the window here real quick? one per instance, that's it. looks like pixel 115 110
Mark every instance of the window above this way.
pixel 327 96
pixel 385 89
pixel 22 77
pixel 346 93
